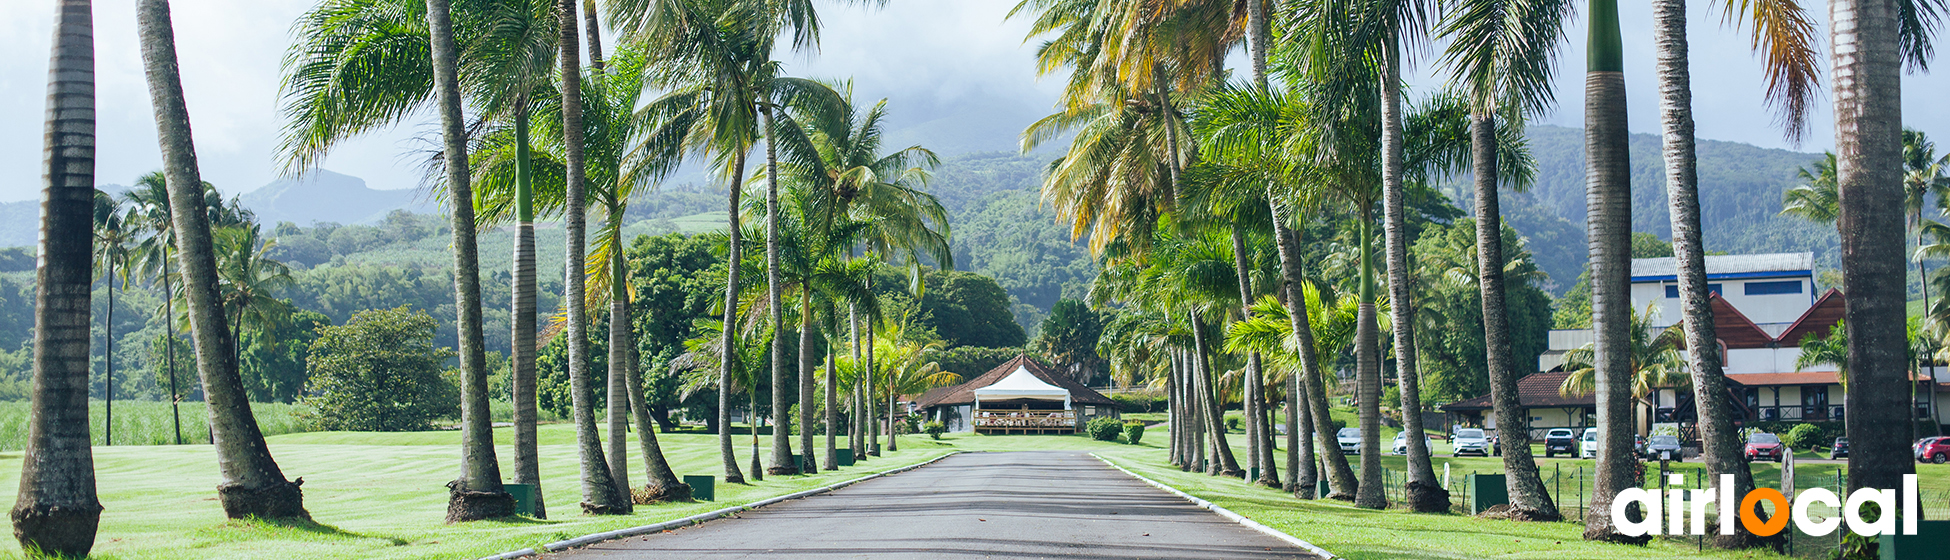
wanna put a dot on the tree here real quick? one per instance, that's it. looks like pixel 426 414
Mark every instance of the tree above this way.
pixel 1069 337
pixel 57 511
pixel 1449 309
pixel 112 236
pixel 968 309
pixel 150 215
pixel 1608 186
pixel 253 485
pixel 1502 54
pixel 379 372
pixel 601 495
pixel 1652 362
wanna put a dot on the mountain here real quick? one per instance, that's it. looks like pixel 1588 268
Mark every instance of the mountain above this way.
pixel 20 221
pixel 325 196
pixel 1740 188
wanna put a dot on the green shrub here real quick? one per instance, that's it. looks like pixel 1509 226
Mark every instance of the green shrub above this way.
pixel 934 429
pixel 1805 436
pixel 1232 423
pixel 1104 429
pixel 1133 433
pixel 1131 403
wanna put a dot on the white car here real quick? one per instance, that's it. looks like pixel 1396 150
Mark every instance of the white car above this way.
pixel 1469 441
pixel 1588 444
pixel 1401 443
pixel 1350 440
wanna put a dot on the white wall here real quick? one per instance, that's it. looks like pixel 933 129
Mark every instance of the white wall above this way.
pixel 1761 309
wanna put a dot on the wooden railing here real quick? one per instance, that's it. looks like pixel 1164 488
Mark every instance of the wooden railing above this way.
pixel 1025 419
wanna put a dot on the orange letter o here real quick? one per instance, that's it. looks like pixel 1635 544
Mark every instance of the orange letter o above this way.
pixel 1774 524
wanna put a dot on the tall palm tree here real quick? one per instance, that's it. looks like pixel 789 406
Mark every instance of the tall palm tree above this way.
pixel 1608 226
pixel 1501 54
pixel 113 233
pixel 149 214
pixel 601 494
pixel 253 485
pixel 57 511
pixel 365 64
pixel 247 279
pixel 1652 362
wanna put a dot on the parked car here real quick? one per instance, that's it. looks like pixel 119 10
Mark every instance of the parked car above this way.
pixel 1839 449
pixel 1936 451
pixel 1588 444
pixel 1350 440
pixel 1401 443
pixel 1638 444
pixel 1920 445
pixel 1765 446
pixel 1469 441
pixel 1560 440
pixel 1667 446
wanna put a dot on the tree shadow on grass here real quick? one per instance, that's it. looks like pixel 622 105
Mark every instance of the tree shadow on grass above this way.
pixel 303 528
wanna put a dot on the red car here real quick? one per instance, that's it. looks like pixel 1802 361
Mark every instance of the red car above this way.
pixel 1765 446
pixel 1935 451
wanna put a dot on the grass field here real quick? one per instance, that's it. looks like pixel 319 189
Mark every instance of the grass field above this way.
pixel 147 422
pixel 381 496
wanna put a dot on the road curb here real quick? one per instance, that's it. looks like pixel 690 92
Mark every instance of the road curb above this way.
pixel 1226 513
pixel 590 539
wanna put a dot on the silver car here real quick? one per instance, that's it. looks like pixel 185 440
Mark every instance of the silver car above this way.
pixel 1401 443
pixel 1350 440
pixel 1469 441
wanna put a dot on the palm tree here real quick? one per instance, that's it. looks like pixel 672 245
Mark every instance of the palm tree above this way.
pixel 903 365
pixel 112 236
pixel 57 511
pixel 1652 362
pixel 253 486
pixel 1501 53
pixel 149 214
pixel 1608 186
pixel 248 279
pixel 1791 71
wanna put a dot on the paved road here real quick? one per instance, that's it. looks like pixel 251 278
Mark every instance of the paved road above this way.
pixel 1063 505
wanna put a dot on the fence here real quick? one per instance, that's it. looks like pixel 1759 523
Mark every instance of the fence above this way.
pixel 1570 490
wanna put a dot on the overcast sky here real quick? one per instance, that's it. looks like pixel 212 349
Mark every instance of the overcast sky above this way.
pixel 923 54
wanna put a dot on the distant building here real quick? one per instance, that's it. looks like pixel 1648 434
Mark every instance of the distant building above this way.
pixel 1017 397
pixel 1763 307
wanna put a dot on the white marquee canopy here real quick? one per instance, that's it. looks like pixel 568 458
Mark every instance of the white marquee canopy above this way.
pixel 1021 384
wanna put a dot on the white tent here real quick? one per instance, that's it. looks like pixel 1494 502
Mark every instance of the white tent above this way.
pixel 1021 384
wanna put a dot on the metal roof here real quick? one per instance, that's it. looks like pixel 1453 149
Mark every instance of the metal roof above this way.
pixel 1769 265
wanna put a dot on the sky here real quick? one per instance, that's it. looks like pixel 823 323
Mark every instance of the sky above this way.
pixel 927 56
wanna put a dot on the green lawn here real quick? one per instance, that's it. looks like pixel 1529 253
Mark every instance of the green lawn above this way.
pixel 382 496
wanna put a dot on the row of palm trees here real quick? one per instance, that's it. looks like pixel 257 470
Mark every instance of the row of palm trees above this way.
pixel 547 137
pixel 1169 161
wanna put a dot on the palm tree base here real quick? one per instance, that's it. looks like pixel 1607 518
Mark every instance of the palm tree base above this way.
pixel 1425 497
pixel 1512 513
pixel 678 492
pixel 466 505
pixel 782 470
pixel 56 531
pixel 279 501
pixel 1604 532
pixel 604 509
pixel 1275 484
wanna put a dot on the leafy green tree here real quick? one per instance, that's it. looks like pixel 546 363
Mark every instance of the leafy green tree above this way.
pixel 675 278
pixel 274 361
pixel 1069 337
pixel 379 372
pixel 968 309
pixel 1653 362
pixel 1449 332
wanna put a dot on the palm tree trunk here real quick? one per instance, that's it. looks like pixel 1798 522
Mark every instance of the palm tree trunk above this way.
pixel 108 359
pixel 1196 438
pixel 758 471
pixel 1301 463
pixel 253 486
pixel 728 344
pixel 1720 440
pixel 660 483
pixel 593 34
pixel 1176 421
pixel 1425 495
pixel 619 406
pixel 1255 385
pixel 57 510
pixel 1340 477
pixel 873 404
pixel 1528 497
pixel 832 460
pixel 528 466
pixel 1608 200
pixel 1208 398
pixel 1868 149
pixel 781 438
pixel 477 494
pixel 1367 372
pixel 807 363
pixel 856 434
pixel 600 494
pixel 169 347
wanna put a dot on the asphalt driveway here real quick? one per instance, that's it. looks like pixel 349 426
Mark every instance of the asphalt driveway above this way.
pixel 1064 505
